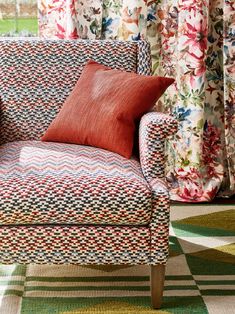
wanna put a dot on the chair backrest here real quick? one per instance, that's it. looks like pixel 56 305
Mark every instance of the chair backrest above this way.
pixel 36 76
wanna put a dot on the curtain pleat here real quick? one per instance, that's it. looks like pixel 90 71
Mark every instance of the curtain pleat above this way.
pixel 193 41
pixel 229 93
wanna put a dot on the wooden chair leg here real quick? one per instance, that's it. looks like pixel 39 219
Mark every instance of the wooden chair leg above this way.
pixel 157 285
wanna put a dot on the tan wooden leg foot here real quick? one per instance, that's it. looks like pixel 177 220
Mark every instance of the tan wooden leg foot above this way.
pixel 157 285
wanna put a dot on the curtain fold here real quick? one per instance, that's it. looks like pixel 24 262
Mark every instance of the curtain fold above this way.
pixel 229 87
pixel 192 41
pixel 70 19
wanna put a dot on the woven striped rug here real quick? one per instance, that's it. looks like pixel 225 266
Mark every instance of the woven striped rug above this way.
pixel 200 275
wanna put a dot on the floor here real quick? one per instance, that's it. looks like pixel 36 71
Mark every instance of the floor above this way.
pixel 206 236
pixel 200 275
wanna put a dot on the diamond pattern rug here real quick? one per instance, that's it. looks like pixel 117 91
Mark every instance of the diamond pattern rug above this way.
pixel 200 275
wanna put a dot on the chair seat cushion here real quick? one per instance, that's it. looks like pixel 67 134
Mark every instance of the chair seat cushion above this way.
pixel 54 183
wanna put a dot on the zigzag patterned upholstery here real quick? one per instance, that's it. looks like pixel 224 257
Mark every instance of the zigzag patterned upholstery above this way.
pixel 37 76
pixel 75 244
pixel 53 183
pixel 154 128
pixel 72 204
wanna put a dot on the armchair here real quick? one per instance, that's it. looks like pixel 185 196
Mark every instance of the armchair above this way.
pixel 74 204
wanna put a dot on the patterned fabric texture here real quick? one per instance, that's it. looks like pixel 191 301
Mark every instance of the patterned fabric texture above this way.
pixel 72 204
pixel 154 128
pixel 76 245
pixel 69 184
pixel 53 183
pixel 37 76
pixel 200 275
pixel 192 41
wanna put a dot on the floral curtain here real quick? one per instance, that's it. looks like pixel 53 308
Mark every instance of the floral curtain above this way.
pixel 193 41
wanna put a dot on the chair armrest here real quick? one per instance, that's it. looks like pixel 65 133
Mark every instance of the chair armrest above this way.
pixel 154 129
pixel 159 223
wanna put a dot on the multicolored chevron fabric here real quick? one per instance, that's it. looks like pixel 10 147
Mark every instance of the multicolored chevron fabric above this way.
pixel 56 183
pixel 153 131
pixel 36 77
pixel 72 204
pixel 144 64
pixel 154 128
pixel 74 244
pixel 53 183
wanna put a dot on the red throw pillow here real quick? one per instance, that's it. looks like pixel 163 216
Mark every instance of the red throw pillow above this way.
pixel 102 109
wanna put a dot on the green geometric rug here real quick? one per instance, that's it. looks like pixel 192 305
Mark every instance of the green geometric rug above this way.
pixel 200 275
